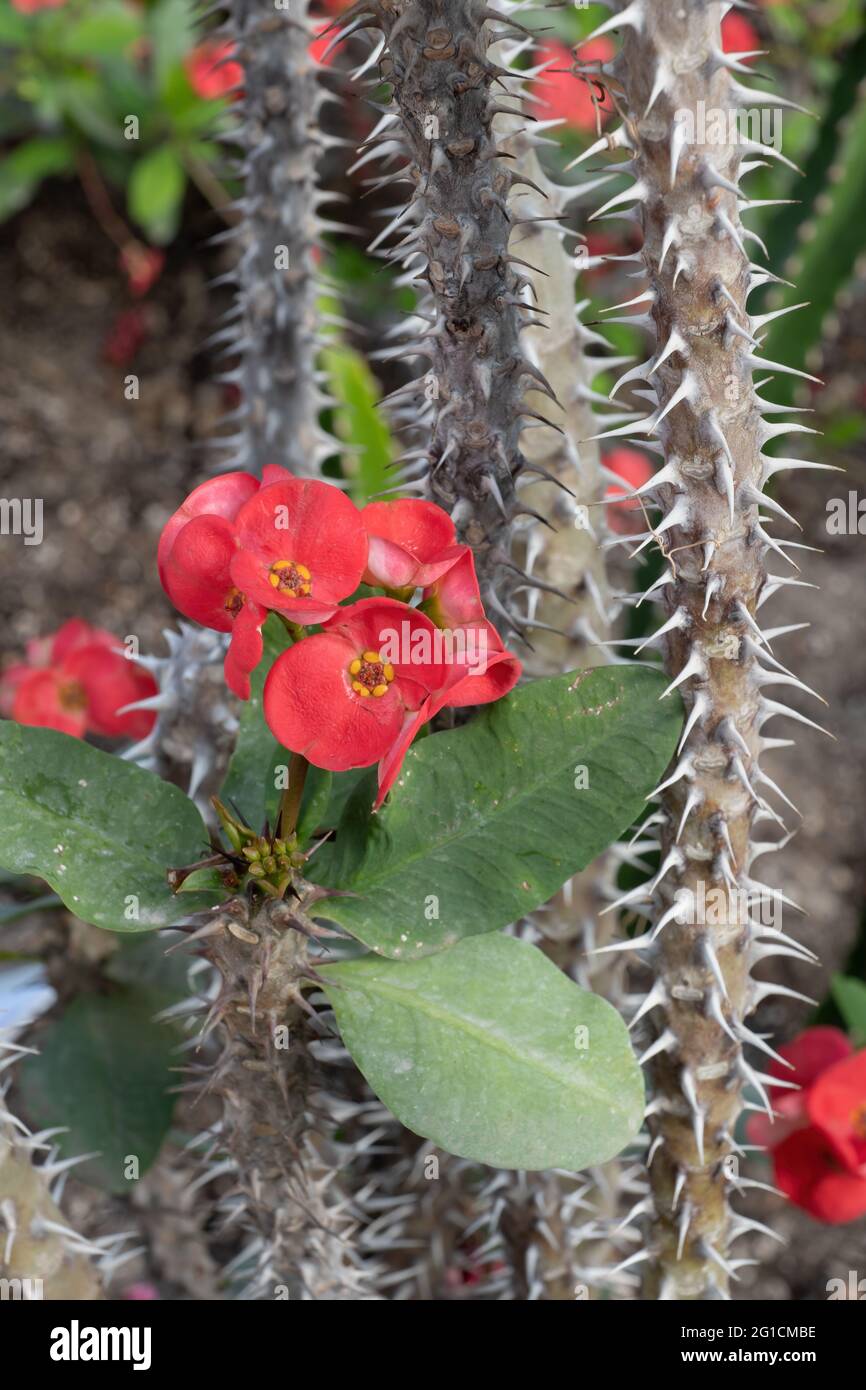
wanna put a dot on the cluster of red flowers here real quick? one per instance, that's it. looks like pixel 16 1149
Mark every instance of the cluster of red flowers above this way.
pixel 358 691
pixel 818 1139
pixel 78 680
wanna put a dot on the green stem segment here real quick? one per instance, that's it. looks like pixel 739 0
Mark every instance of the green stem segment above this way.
pixel 290 801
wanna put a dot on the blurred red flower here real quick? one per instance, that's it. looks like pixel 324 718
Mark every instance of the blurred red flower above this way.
pixel 142 266
pixel 125 336
pixel 738 36
pixel 210 70
pixel 320 45
pixel 76 681
pixel 818 1139
pixel 563 96
pixel 32 6
pixel 626 518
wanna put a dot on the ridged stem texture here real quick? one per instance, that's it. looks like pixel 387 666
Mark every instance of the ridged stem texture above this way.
pixel 274 330
pixel 708 933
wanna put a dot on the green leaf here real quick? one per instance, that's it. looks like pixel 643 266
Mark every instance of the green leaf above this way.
pixel 102 832
pixel 155 193
pixel 146 962
pixel 22 171
pixel 487 821
pixel 493 1053
pixel 850 997
pixel 104 1072
pixel 315 802
pixel 358 421
pixel 171 24
pixel 105 34
pixel 250 783
pixel 343 787
pixel 16 30
pixel 203 881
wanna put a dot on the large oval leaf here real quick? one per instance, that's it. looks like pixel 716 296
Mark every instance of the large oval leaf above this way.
pixel 489 820
pixel 104 1072
pixel 493 1053
pixel 101 831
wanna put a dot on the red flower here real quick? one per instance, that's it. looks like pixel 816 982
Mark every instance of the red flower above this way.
pixel 301 548
pixel 626 518
pixel 411 543
pixel 837 1106
pixel 194 559
pixel 341 696
pixel 210 70
pixel 480 670
pixel 142 266
pixel 564 96
pixel 320 45
pixel 125 337
pixel 77 682
pixel 738 36
pixel 454 599
pixel 32 6
pixel 809 1173
pixel 818 1142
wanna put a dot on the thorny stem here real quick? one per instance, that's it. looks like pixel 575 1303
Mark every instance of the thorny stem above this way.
pixel 278 233
pixel 439 64
pixel 710 492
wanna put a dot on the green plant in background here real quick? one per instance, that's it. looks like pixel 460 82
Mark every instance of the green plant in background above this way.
pixel 119 94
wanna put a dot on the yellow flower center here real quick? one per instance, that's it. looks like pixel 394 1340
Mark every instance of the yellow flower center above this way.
pixel 291 578
pixel 72 696
pixel 370 675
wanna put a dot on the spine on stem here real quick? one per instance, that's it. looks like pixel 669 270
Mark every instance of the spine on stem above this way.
pixel 457 225
pixel 716 528
pixel 273 330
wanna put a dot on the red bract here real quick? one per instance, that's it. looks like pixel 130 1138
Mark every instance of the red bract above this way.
pixel 76 681
pixel 301 548
pixel 837 1106
pixel 142 266
pixel 32 6
pixel 340 697
pixel 411 543
pixel 320 45
pixel 454 599
pixel 563 96
pixel 818 1141
pixel 809 1173
pixel 196 550
pixel 479 670
pixel 210 70
pixel 738 36
pixel 125 336
pixel 626 518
